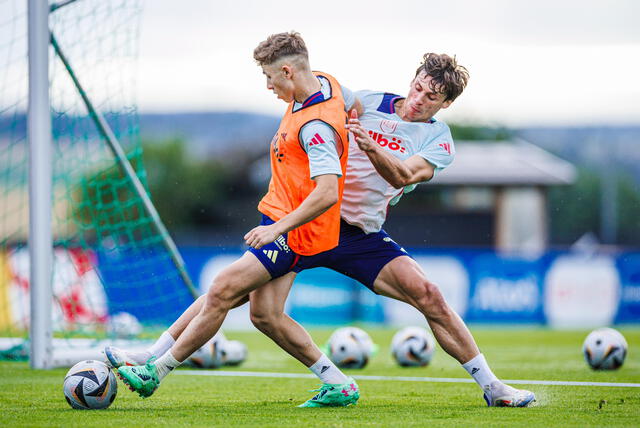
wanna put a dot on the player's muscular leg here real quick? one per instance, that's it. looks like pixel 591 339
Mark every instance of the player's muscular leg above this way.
pixel 183 321
pixel 190 313
pixel 229 288
pixel 403 279
pixel 267 314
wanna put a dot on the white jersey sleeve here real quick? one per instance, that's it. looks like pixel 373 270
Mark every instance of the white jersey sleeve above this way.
pixel 349 98
pixel 366 194
pixel 321 143
pixel 438 148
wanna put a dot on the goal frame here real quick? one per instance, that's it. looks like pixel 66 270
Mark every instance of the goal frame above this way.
pixel 40 140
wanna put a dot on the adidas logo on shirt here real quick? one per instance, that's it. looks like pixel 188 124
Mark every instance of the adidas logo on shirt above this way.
pixel 446 147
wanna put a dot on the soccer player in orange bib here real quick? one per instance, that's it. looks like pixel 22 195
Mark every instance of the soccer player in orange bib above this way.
pixel 397 144
pixel 300 212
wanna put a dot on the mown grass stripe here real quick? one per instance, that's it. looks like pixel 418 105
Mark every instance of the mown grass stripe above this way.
pixel 403 378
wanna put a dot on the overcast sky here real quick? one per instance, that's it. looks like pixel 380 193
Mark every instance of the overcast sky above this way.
pixel 531 62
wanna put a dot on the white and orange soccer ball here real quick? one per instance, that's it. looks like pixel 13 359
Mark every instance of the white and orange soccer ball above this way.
pixel 413 346
pixel 350 348
pixel 605 349
pixel 90 384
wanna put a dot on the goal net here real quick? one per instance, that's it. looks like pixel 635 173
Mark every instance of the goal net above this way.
pixel 114 273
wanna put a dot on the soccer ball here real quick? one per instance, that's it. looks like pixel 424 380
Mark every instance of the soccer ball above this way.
pixel 123 325
pixel 218 352
pixel 604 349
pixel 210 355
pixel 233 353
pixel 90 385
pixel 413 346
pixel 363 338
pixel 350 348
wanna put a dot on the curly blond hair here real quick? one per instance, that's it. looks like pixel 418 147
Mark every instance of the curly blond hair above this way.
pixel 278 46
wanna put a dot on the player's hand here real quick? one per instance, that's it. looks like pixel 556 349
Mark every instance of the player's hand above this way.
pixel 360 135
pixel 260 236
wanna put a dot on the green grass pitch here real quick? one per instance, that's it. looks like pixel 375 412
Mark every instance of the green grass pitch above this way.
pixel 34 398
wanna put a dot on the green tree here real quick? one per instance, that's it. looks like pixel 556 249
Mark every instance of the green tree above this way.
pixel 628 211
pixel 575 210
pixel 478 132
pixel 187 192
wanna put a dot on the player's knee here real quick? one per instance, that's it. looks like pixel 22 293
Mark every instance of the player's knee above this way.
pixel 431 301
pixel 220 295
pixel 214 300
pixel 265 321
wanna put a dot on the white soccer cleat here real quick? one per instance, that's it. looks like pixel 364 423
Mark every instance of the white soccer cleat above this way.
pixel 119 357
pixel 500 395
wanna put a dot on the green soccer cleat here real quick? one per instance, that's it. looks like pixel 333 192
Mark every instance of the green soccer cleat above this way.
pixel 335 395
pixel 141 379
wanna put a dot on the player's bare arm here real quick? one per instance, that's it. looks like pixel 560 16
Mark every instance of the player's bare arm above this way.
pixel 323 197
pixel 396 172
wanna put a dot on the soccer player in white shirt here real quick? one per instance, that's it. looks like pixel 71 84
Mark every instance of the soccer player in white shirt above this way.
pixel 396 145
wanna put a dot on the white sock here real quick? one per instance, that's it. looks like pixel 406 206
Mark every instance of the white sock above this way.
pixel 478 368
pixel 165 364
pixel 327 371
pixel 139 358
pixel 162 345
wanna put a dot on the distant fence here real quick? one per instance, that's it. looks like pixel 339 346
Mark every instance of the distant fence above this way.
pixel 558 289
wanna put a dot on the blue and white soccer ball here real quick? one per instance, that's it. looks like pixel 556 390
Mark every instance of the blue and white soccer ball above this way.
pixel 413 346
pixel 90 384
pixel 605 349
pixel 350 347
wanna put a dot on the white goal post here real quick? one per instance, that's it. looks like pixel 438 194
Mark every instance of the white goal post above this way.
pixel 40 185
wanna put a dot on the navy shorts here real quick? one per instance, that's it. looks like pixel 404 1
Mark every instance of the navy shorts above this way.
pixel 359 255
pixel 276 257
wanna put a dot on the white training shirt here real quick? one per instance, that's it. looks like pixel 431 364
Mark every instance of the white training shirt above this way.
pixel 366 194
pixel 319 139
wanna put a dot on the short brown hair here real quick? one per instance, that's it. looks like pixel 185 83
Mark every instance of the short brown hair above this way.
pixel 278 46
pixel 447 76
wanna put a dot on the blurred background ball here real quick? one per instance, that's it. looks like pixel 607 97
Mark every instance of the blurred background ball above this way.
pixel 90 384
pixel 350 348
pixel 233 353
pixel 209 356
pixel 413 346
pixel 123 325
pixel 363 338
pixel 605 349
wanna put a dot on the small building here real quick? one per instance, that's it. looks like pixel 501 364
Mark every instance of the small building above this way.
pixel 509 181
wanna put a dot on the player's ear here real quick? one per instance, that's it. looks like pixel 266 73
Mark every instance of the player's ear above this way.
pixel 287 71
pixel 446 104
